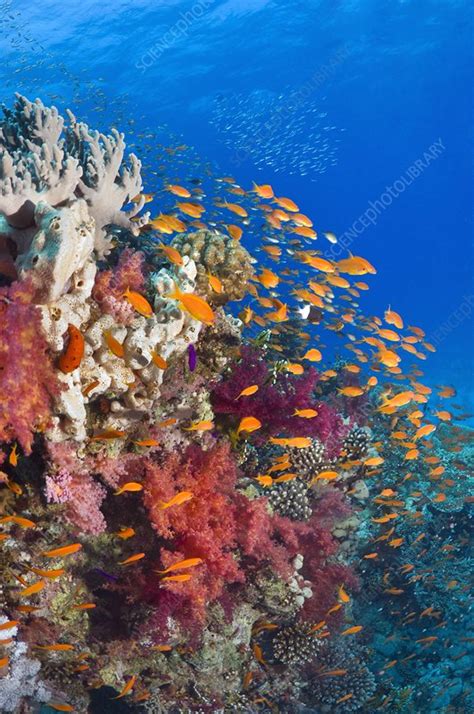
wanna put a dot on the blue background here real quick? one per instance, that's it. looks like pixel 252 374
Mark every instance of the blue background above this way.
pixel 405 82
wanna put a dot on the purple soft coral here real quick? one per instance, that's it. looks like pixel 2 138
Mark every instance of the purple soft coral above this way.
pixel 276 401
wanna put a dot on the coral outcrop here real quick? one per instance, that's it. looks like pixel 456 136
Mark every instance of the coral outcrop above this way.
pixel 219 255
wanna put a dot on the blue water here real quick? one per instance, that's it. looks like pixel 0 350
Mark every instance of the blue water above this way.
pixel 396 78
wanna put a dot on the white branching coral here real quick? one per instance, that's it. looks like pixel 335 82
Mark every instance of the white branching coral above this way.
pixel 42 160
pixel 21 680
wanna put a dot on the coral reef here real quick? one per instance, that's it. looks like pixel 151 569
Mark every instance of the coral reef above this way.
pixel 193 517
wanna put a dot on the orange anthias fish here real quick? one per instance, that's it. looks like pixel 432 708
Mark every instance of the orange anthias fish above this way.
pixel 172 254
pixel 71 358
pixel 248 391
pixel 235 232
pixel 195 210
pixel 352 630
pixel 132 559
pixel 138 302
pixel 215 283
pixel 108 434
pixel 193 304
pixel 19 521
pixel 325 476
pixel 265 480
pixel 298 442
pixel 342 595
pixel 305 413
pixel 351 391
pixel 268 279
pixel 13 456
pixel 248 424
pixel 32 589
pixel 355 265
pixel 51 574
pixel 313 355
pixel 177 500
pixel 130 487
pixel 114 345
pixel 180 578
pixel 127 688
pixel 158 360
pixel 125 533
pixel 393 318
pixel 147 442
pixel 204 425
pixel 63 551
pixel 178 190
pixel 181 565
pixel 264 190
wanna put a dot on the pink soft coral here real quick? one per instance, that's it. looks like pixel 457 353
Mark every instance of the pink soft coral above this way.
pixel 275 402
pixel 69 482
pixel 28 379
pixel 110 285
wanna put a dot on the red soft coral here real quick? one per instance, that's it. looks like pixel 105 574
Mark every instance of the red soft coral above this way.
pixel 228 531
pixel 234 536
pixel 28 378
pixel 110 285
pixel 203 527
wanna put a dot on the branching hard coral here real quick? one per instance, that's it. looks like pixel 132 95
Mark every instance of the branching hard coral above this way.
pixel 28 379
pixel 276 401
pixel 33 163
pixel 221 256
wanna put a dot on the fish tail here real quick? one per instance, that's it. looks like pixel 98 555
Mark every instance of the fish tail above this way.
pixel 176 294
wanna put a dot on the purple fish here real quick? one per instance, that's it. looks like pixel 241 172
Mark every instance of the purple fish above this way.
pixel 104 574
pixel 192 357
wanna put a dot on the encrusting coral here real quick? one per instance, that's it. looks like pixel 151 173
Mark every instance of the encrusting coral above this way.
pixel 221 256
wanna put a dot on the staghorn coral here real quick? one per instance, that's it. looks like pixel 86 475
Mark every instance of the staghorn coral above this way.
pixel 221 256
